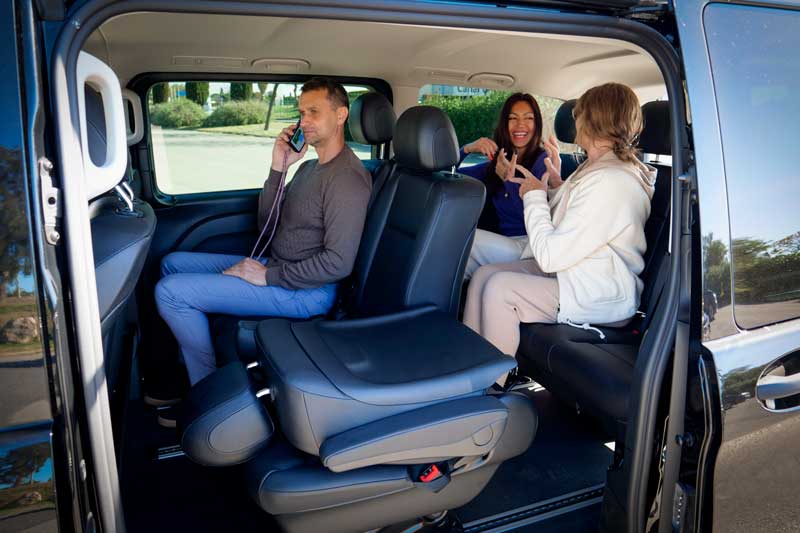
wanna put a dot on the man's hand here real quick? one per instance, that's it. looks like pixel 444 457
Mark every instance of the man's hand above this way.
pixel 282 148
pixel 484 146
pixel 249 270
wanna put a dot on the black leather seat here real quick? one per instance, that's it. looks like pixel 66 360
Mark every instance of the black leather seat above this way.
pixel 580 367
pixel 564 126
pixel 368 406
pixel 371 121
pixel 335 376
pixel 120 240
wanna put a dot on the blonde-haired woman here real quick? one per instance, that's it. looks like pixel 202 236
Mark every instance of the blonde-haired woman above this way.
pixel 585 235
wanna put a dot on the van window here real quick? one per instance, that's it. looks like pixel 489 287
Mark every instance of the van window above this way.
pixel 756 77
pixel 474 112
pixel 218 136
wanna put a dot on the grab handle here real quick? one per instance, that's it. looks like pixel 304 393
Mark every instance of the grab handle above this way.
pixel 136 133
pixel 103 178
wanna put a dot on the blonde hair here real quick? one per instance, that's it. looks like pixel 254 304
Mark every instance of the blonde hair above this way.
pixel 611 112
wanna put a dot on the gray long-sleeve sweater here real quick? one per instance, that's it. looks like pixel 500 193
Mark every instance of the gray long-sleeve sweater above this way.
pixel 321 220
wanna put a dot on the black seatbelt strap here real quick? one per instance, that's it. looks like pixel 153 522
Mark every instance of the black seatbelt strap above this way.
pixel 386 170
pixel 655 295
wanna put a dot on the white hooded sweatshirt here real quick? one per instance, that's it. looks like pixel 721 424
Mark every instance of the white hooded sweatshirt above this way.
pixel 591 234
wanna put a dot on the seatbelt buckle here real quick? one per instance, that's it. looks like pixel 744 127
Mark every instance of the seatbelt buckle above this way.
pixel 429 474
pixel 433 477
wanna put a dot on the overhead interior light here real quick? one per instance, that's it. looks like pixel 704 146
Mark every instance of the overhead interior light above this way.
pixel 208 61
pixel 491 79
pixel 430 73
pixel 271 64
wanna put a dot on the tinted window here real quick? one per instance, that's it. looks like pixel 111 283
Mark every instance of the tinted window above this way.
pixel 756 72
pixel 218 136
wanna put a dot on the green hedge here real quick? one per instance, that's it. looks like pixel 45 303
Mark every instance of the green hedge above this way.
pixel 197 91
pixel 160 93
pixel 472 117
pixel 241 91
pixel 179 113
pixel 237 113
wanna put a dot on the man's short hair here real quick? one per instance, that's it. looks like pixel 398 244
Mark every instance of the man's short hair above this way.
pixel 336 93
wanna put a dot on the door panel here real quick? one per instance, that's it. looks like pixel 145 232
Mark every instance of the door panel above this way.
pixel 757 471
pixel 740 67
pixel 220 225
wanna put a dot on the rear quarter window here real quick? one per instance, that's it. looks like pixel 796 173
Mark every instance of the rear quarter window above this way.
pixel 756 72
pixel 208 136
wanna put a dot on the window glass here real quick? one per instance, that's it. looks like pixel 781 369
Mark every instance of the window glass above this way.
pixel 474 113
pixel 756 72
pixel 218 136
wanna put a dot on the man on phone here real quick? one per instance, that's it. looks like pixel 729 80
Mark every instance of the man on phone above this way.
pixel 315 229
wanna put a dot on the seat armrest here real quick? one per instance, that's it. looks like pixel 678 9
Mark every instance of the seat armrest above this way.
pixel 458 428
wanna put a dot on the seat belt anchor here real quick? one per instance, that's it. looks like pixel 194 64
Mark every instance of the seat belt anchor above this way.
pixel 433 478
pixel 429 474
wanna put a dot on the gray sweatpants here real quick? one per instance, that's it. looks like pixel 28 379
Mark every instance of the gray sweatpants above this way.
pixel 502 295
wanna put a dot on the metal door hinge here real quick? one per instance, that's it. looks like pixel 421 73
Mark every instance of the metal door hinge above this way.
pixel 51 201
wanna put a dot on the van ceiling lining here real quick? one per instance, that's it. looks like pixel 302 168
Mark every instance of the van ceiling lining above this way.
pixel 401 54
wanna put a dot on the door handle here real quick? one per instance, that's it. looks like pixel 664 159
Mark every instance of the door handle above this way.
pixel 777 387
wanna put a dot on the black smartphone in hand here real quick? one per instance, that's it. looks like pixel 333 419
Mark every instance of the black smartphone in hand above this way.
pixel 298 140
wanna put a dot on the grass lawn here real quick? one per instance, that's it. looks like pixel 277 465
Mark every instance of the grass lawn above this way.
pixel 253 130
pixel 8 349
pixel 10 499
pixel 11 304
pixel 12 307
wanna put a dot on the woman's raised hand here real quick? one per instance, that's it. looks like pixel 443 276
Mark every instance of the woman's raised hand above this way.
pixel 509 167
pixel 552 163
pixel 501 168
pixel 484 146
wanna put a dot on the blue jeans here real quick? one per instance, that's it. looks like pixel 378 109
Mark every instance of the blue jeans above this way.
pixel 192 285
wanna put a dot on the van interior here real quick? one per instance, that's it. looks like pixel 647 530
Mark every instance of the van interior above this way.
pixel 384 417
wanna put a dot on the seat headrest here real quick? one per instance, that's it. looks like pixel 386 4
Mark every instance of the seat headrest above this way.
pixel 425 139
pixel 564 124
pixel 657 132
pixel 372 119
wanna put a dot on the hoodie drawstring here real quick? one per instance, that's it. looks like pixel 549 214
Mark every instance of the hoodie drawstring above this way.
pixel 586 327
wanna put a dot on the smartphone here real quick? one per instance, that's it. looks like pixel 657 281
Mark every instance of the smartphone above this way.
pixel 298 140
